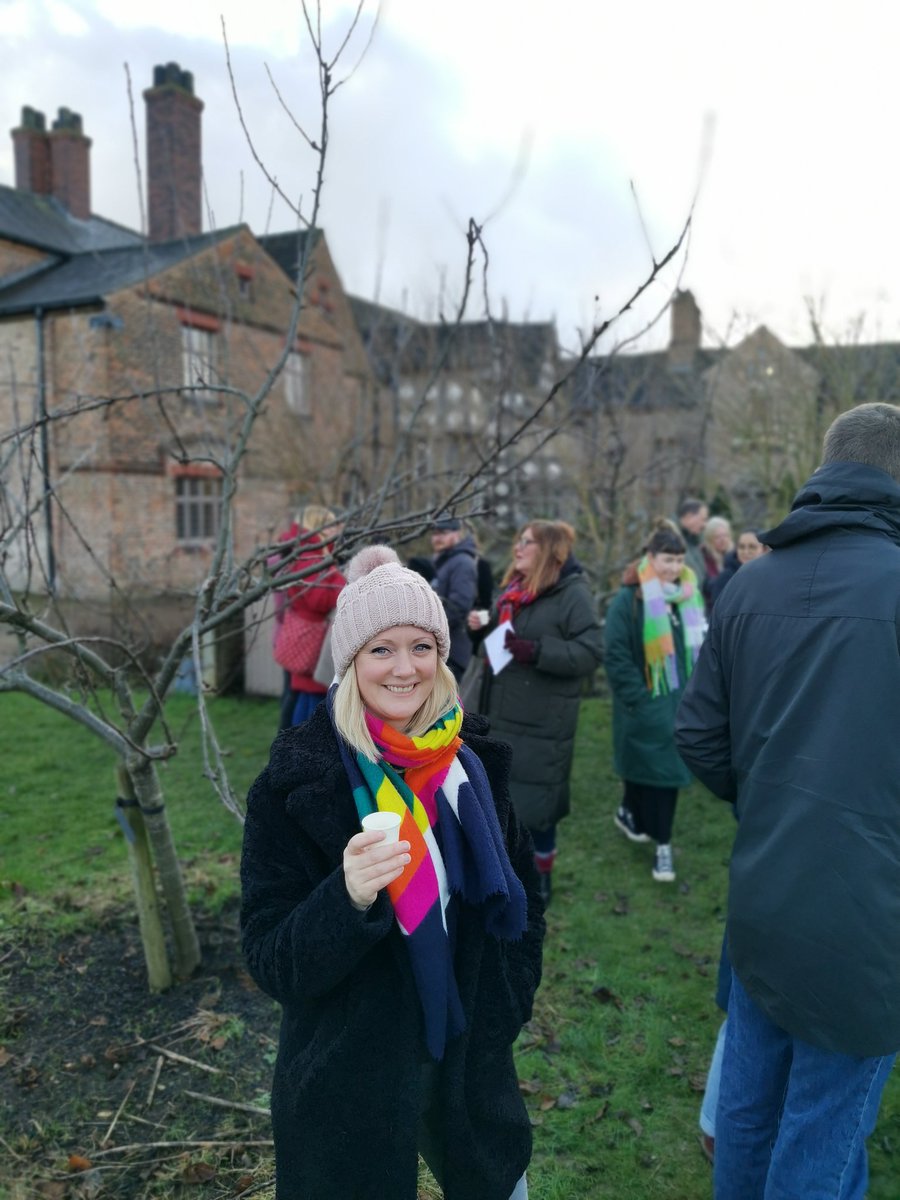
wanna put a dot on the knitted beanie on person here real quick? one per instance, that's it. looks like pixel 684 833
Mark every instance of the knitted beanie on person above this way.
pixel 380 594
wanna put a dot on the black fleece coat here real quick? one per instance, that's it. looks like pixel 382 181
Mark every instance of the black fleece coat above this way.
pixel 792 711
pixel 346 1090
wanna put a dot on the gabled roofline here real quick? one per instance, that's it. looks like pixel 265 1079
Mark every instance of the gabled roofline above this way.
pixel 90 297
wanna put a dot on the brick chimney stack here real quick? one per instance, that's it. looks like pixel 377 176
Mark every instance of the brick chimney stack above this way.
pixel 31 149
pixel 70 164
pixel 174 182
pixel 685 331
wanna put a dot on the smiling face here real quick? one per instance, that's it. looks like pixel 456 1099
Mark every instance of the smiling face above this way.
pixel 667 566
pixel 395 673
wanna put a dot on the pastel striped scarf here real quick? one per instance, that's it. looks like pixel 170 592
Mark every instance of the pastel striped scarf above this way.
pixel 659 642
pixel 449 818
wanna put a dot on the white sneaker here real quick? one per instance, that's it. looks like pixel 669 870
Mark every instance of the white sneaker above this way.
pixel 663 867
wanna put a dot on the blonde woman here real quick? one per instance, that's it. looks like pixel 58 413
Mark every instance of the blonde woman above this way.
pixel 405 969
pixel 717 543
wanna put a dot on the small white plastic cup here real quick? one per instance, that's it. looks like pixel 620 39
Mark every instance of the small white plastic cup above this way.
pixel 387 823
pixel 483 615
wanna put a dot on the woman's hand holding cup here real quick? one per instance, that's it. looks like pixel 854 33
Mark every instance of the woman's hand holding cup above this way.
pixel 374 858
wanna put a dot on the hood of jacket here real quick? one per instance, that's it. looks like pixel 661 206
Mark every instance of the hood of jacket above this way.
pixel 465 545
pixel 571 567
pixel 841 495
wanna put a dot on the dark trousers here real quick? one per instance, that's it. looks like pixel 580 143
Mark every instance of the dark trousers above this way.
pixel 288 700
pixel 653 809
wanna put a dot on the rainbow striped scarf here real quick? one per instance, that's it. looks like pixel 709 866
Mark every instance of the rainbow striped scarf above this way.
pixel 659 641
pixel 440 789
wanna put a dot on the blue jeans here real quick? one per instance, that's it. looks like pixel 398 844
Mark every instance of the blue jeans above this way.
pixel 713 1078
pixel 792 1119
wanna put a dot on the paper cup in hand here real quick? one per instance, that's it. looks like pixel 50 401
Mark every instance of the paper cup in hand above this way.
pixel 387 823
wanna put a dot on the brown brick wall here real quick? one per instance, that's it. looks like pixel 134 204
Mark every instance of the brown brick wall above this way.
pixel 117 461
pixel 15 258
pixel 31 148
pixel 71 171
pixel 18 375
pixel 174 182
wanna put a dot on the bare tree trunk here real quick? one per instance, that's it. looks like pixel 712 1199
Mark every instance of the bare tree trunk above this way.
pixel 159 974
pixel 149 795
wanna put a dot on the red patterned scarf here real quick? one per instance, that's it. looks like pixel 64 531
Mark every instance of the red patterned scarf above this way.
pixel 514 597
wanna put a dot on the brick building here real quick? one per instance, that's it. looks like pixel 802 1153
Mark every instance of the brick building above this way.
pixel 741 425
pixel 154 343
pixel 458 393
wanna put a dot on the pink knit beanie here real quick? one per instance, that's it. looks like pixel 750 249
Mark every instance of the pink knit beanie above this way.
pixel 380 594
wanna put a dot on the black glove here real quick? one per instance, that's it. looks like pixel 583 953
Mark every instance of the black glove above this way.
pixel 522 650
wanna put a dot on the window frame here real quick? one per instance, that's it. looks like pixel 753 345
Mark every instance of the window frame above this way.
pixel 199 498
pixel 200 358
pixel 298 383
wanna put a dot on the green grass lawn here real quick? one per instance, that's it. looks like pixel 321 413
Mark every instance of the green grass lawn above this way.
pixel 58 829
pixel 613 1064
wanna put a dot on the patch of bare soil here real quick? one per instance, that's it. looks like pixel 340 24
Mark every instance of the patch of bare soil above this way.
pixel 108 1091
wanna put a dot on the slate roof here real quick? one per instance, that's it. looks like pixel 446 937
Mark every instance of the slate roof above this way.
pixel 639 381
pixel 848 374
pixel 43 222
pixel 399 345
pixel 287 248
pixel 80 279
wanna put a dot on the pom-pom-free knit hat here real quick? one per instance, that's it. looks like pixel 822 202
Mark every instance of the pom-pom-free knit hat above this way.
pixel 380 594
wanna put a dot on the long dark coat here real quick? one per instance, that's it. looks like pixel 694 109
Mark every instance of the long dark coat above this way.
pixel 346 1089
pixel 643 725
pixel 534 707
pixel 792 712
pixel 456 583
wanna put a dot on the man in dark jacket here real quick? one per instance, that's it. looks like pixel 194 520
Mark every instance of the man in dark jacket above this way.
pixel 692 517
pixel 456 583
pixel 792 713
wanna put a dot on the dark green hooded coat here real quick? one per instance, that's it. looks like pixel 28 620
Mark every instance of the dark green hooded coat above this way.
pixel 643 725
pixel 534 707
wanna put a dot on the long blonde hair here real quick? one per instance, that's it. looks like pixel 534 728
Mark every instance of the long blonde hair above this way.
pixel 555 540
pixel 350 711
pixel 315 517
pixel 713 526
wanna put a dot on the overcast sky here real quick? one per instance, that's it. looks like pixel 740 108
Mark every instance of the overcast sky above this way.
pixel 581 128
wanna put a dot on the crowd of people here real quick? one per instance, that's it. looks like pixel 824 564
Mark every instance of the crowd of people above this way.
pixel 400 844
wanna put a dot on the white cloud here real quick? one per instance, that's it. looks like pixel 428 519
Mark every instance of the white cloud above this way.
pixel 65 19
pixel 799 196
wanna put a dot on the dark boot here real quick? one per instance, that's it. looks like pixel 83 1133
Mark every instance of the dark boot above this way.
pixel 545 881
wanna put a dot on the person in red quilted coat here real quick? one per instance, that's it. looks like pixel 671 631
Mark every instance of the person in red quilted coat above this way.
pixel 313 598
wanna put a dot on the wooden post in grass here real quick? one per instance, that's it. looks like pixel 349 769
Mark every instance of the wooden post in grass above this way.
pixel 159 974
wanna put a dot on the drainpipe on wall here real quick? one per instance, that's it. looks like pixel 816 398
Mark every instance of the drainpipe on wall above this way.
pixel 45 449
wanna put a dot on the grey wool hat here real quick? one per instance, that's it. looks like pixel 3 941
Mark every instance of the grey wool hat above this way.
pixel 381 593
